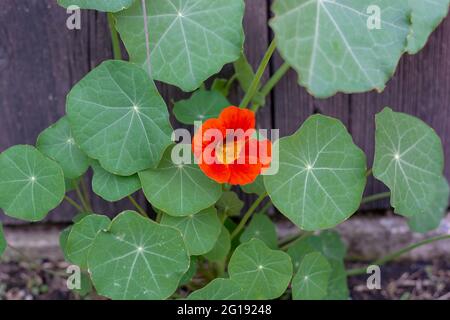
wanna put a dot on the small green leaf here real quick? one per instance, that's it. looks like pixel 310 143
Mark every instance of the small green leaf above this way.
pixel 30 184
pixel 219 289
pixel 337 284
pixel 221 85
pixel 187 277
pixel 426 16
pixel 330 244
pixel 262 272
pixel 221 247
pixel 300 249
pixel 409 159
pixel 58 143
pixel 331 46
pixel 230 204
pixel 432 217
pixel 312 278
pixel 262 228
pixel 79 216
pixel 119 118
pixel 244 72
pixel 137 259
pixel 321 175
pixel 81 237
pixel 256 187
pixel 179 189
pixel 85 284
pixel 100 5
pixel 2 241
pixel 200 231
pixel 202 105
pixel 190 40
pixel 112 187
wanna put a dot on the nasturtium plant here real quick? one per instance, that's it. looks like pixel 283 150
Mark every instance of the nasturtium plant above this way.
pixel 119 118
pixel 190 40
pixel 192 237
pixel 321 175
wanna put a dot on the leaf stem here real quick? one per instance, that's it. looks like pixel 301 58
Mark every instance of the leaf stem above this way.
pixel 73 203
pixel 81 198
pixel 117 51
pixel 259 73
pixel 375 197
pixel 248 214
pixel 270 84
pixel 137 206
pixel 85 191
pixel 396 254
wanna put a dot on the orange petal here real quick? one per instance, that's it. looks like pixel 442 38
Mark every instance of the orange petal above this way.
pixel 236 118
pixel 244 173
pixel 216 171
pixel 205 136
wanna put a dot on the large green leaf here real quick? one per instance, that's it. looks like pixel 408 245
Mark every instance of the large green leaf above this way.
pixel 219 289
pixel 262 228
pixel 321 175
pixel 190 40
pixel 329 44
pixel 57 143
pixel 262 272
pixel 137 259
pixel 2 241
pixel 202 105
pixel 30 184
pixel 112 187
pixel 426 16
pixel 118 117
pixel 432 217
pixel 100 5
pixel 81 237
pixel 221 247
pixel 179 189
pixel 409 159
pixel 200 231
pixel 230 204
pixel 312 278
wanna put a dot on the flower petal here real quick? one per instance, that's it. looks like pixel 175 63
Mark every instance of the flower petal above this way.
pixel 236 118
pixel 216 171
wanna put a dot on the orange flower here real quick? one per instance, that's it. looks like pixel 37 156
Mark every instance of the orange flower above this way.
pixel 226 150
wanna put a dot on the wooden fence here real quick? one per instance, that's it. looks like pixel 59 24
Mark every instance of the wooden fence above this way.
pixel 40 60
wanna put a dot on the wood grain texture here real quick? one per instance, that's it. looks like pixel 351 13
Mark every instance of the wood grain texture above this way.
pixel 40 60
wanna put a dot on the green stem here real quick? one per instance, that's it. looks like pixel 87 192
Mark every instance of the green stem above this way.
pixel 81 198
pixel 158 216
pixel 248 214
pixel 117 52
pixel 137 206
pixel 266 207
pixel 259 73
pixel 368 172
pixel 271 83
pixel 85 191
pixel 73 203
pixel 289 240
pixel 396 254
pixel 375 197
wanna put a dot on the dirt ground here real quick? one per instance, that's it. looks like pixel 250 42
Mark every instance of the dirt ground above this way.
pixel 402 280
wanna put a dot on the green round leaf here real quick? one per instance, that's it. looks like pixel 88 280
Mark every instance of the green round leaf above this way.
pixel 100 5
pixel 30 184
pixel 200 231
pixel 426 16
pixel 137 259
pixel 221 247
pixel 312 278
pixel 118 117
pixel 262 228
pixel 329 43
pixel 256 187
pixel 57 143
pixel 202 105
pixel 321 176
pixel 230 204
pixel 81 237
pixel 187 277
pixel 219 289
pixel 409 159
pixel 190 40
pixel 2 241
pixel 179 189
pixel 112 187
pixel 262 272
pixel 432 217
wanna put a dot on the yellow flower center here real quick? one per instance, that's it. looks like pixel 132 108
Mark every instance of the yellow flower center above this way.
pixel 228 152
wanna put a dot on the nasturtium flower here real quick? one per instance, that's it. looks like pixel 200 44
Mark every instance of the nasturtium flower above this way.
pixel 227 150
